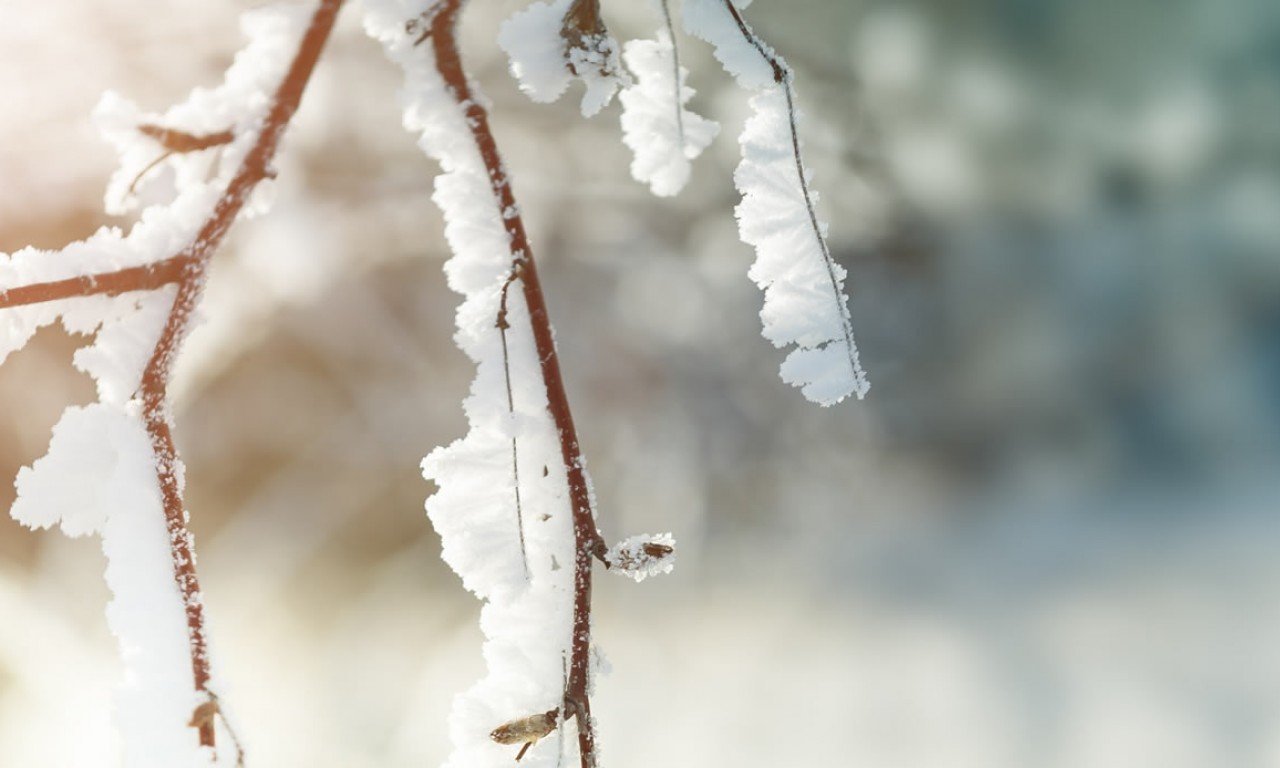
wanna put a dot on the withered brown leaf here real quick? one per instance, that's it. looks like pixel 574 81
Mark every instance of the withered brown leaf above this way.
pixel 181 142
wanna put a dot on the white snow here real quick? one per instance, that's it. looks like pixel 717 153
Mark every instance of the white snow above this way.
pixel 805 304
pixel 597 66
pixel 532 41
pixel 709 20
pixel 663 135
pixel 99 477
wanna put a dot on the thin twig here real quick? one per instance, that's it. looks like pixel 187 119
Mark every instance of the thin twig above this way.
pixel 231 731
pixel 155 377
pixel 587 539
pixel 133 185
pixel 503 325
pixel 675 72
pixel 144 278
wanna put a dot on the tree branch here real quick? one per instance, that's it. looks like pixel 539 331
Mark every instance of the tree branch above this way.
pixel 187 270
pixel 587 539
pixel 155 377
pixel 675 71
pixel 144 278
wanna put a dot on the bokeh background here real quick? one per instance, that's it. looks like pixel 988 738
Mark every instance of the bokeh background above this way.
pixel 1047 538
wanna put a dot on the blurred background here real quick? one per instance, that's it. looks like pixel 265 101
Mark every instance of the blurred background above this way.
pixel 1047 538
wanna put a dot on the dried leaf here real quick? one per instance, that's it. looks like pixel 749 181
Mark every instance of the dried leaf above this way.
pixel 526 730
pixel 204 714
pixel 181 142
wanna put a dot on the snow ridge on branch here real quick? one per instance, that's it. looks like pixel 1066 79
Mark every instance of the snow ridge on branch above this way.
pixel 805 304
pixel 518 559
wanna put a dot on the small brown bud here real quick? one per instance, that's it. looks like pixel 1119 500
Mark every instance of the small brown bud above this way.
pixel 657 551
pixel 640 557
pixel 204 714
pixel 582 25
pixel 583 30
pixel 526 730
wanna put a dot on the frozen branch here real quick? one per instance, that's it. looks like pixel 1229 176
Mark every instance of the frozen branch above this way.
pixel 805 304
pixel 134 388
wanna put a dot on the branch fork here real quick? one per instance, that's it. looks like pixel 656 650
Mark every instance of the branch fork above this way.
pixel 186 270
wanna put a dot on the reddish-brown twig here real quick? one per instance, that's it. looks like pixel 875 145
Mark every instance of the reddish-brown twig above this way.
pixel 187 269
pixel 587 539
pixel 177 142
pixel 155 377
pixel 144 278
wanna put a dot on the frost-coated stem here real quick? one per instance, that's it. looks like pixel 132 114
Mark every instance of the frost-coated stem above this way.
pixel 155 377
pixel 144 278
pixel 187 269
pixel 503 327
pixel 587 540
pixel 675 71
pixel 782 75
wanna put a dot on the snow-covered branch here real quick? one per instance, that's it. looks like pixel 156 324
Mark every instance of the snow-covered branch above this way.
pixel 805 304
pixel 112 467
pixel 514 507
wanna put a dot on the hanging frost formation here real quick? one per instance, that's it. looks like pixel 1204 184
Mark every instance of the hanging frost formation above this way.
pixel 99 475
pixel 663 134
pixel 804 304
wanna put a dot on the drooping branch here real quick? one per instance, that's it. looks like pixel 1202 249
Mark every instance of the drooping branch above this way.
pixel 587 540
pixel 782 75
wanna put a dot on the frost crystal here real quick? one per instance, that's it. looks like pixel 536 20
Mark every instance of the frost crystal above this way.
pixel 662 134
pixel 642 556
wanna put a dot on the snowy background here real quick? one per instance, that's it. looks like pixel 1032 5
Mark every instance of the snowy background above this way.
pixel 1047 538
